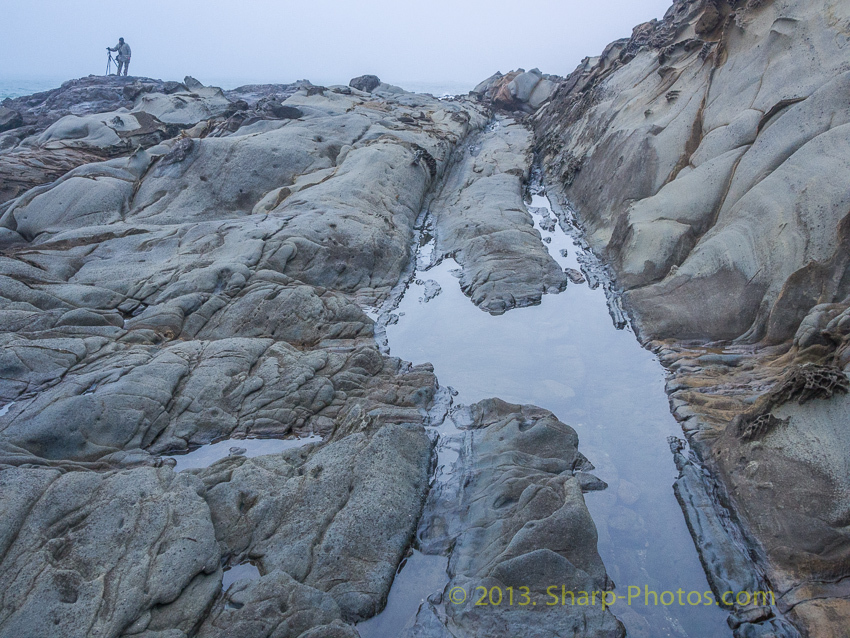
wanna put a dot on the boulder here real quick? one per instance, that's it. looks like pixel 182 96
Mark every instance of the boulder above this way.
pixel 522 86
pixel 367 83
pixel 9 119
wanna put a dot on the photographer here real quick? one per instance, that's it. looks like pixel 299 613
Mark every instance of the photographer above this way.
pixel 123 57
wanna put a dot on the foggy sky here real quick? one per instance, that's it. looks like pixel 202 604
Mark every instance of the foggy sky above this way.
pixel 325 41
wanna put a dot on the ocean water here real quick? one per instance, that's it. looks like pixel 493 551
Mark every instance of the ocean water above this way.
pixel 16 87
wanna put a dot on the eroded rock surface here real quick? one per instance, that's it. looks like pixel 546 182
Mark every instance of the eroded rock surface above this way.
pixel 707 158
pixel 480 219
pixel 193 268
pixel 513 515
pixel 204 287
pixel 95 118
pixel 338 519
pixel 100 554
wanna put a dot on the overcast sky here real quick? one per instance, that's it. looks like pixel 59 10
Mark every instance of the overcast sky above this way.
pixel 440 42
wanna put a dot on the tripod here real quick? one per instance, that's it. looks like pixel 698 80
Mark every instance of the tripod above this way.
pixel 109 62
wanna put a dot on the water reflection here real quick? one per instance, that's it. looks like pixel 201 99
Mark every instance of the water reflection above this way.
pixel 243 571
pixel 206 455
pixel 419 576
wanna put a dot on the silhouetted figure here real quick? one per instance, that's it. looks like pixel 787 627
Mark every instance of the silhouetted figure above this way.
pixel 124 53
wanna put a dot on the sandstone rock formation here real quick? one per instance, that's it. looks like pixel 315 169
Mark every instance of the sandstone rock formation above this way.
pixel 480 219
pixel 716 136
pixel 195 267
pixel 513 515
pixel 707 158
pixel 520 90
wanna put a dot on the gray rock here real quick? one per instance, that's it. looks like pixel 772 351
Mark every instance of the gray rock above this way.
pixel 432 289
pixel 729 568
pixel 338 519
pixel 575 276
pixel 275 605
pixel 62 533
pixel 208 286
pixel 513 515
pixel 541 93
pixel 481 220
pixel 89 119
pixel 91 94
pixel 523 85
pixel 253 93
pixel 718 202
pixel 482 87
pixel 367 83
pixel 679 180
pixel 9 119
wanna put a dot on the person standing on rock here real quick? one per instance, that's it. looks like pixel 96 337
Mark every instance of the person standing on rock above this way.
pixel 123 58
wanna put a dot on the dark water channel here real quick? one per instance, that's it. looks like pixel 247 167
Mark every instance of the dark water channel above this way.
pixel 567 356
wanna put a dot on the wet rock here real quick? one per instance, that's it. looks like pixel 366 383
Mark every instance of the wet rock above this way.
pixel 432 289
pixel 481 220
pixel 727 567
pixel 590 483
pixel 548 220
pixel 137 398
pixel 513 515
pixel 575 276
pixel 128 266
pixel 679 178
